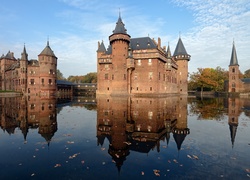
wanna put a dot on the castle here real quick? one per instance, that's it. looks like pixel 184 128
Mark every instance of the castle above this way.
pixel 140 66
pixel 32 77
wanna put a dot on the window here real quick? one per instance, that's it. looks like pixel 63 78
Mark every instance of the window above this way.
pixel 51 71
pixel 106 76
pixel 150 75
pixel 139 62
pixel 159 76
pixel 233 70
pixel 151 88
pixel 50 81
pixel 124 76
pixel 42 81
pixel 32 81
pixel 112 76
pixel 149 61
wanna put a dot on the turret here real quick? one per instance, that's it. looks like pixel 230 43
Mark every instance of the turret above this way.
pixel 23 67
pixel 119 42
pixel 48 69
pixel 182 57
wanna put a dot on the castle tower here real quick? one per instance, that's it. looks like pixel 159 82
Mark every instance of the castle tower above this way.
pixel 182 57
pixel 233 117
pixel 119 42
pixel 23 68
pixel 5 62
pixel 234 81
pixel 48 68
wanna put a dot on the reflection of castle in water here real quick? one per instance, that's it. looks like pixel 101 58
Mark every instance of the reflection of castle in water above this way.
pixel 139 124
pixel 30 112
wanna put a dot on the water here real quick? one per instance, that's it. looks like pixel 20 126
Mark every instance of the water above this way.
pixel 125 138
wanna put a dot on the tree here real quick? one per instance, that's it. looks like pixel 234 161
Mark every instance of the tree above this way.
pixel 88 78
pixel 247 74
pixel 59 75
pixel 208 78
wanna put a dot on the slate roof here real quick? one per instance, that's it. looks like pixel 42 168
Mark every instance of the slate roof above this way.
pixel 120 27
pixel 180 49
pixel 246 80
pixel 9 55
pixel 47 51
pixel 101 48
pixel 24 55
pixel 142 43
pixel 234 60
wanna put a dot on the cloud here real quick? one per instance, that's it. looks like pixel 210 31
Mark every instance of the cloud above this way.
pixel 217 24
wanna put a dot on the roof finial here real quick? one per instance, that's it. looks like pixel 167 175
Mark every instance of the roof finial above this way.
pixel 179 34
pixel 48 40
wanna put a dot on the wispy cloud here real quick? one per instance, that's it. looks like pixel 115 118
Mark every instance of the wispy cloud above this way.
pixel 217 24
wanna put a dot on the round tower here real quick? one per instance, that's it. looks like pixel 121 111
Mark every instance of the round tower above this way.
pixel 48 68
pixel 182 57
pixel 119 42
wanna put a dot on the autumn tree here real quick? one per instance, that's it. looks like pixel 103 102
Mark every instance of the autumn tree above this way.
pixel 209 79
pixel 247 74
pixel 88 78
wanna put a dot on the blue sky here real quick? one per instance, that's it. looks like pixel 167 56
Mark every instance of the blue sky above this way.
pixel 74 27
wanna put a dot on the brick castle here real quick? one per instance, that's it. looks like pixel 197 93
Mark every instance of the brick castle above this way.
pixel 140 66
pixel 32 77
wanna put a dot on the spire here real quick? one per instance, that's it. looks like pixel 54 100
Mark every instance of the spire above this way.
pixel 120 27
pixel 234 60
pixel 168 52
pixel 101 48
pixel 180 49
pixel 24 55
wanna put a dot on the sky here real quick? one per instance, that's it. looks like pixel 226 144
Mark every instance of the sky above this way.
pixel 207 28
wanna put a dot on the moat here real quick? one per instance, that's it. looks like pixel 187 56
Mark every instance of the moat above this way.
pixel 125 138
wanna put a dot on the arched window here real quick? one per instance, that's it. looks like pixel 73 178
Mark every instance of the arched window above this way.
pixel 233 70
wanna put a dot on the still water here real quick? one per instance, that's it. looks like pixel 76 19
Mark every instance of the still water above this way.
pixel 124 138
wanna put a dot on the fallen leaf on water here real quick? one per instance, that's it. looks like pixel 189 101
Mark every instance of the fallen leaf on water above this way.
pixel 189 156
pixel 169 161
pixel 57 165
pixel 33 174
pixel 82 162
pixel 175 161
pixel 70 142
pixel 248 170
pixel 102 148
pixel 196 157
pixel 156 172
pixel 142 173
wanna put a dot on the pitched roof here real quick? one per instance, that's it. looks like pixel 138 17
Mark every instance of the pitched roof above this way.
pixel 101 48
pixel 142 43
pixel 234 60
pixel 120 27
pixel 47 51
pixel 9 55
pixel 180 49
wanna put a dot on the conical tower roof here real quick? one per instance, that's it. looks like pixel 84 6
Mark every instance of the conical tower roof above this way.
pixel 234 60
pixel 101 48
pixel 168 52
pixel 47 51
pixel 120 27
pixel 24 55
pixel 180 49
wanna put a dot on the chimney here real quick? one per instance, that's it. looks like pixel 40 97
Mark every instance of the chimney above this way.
pixel 159 42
